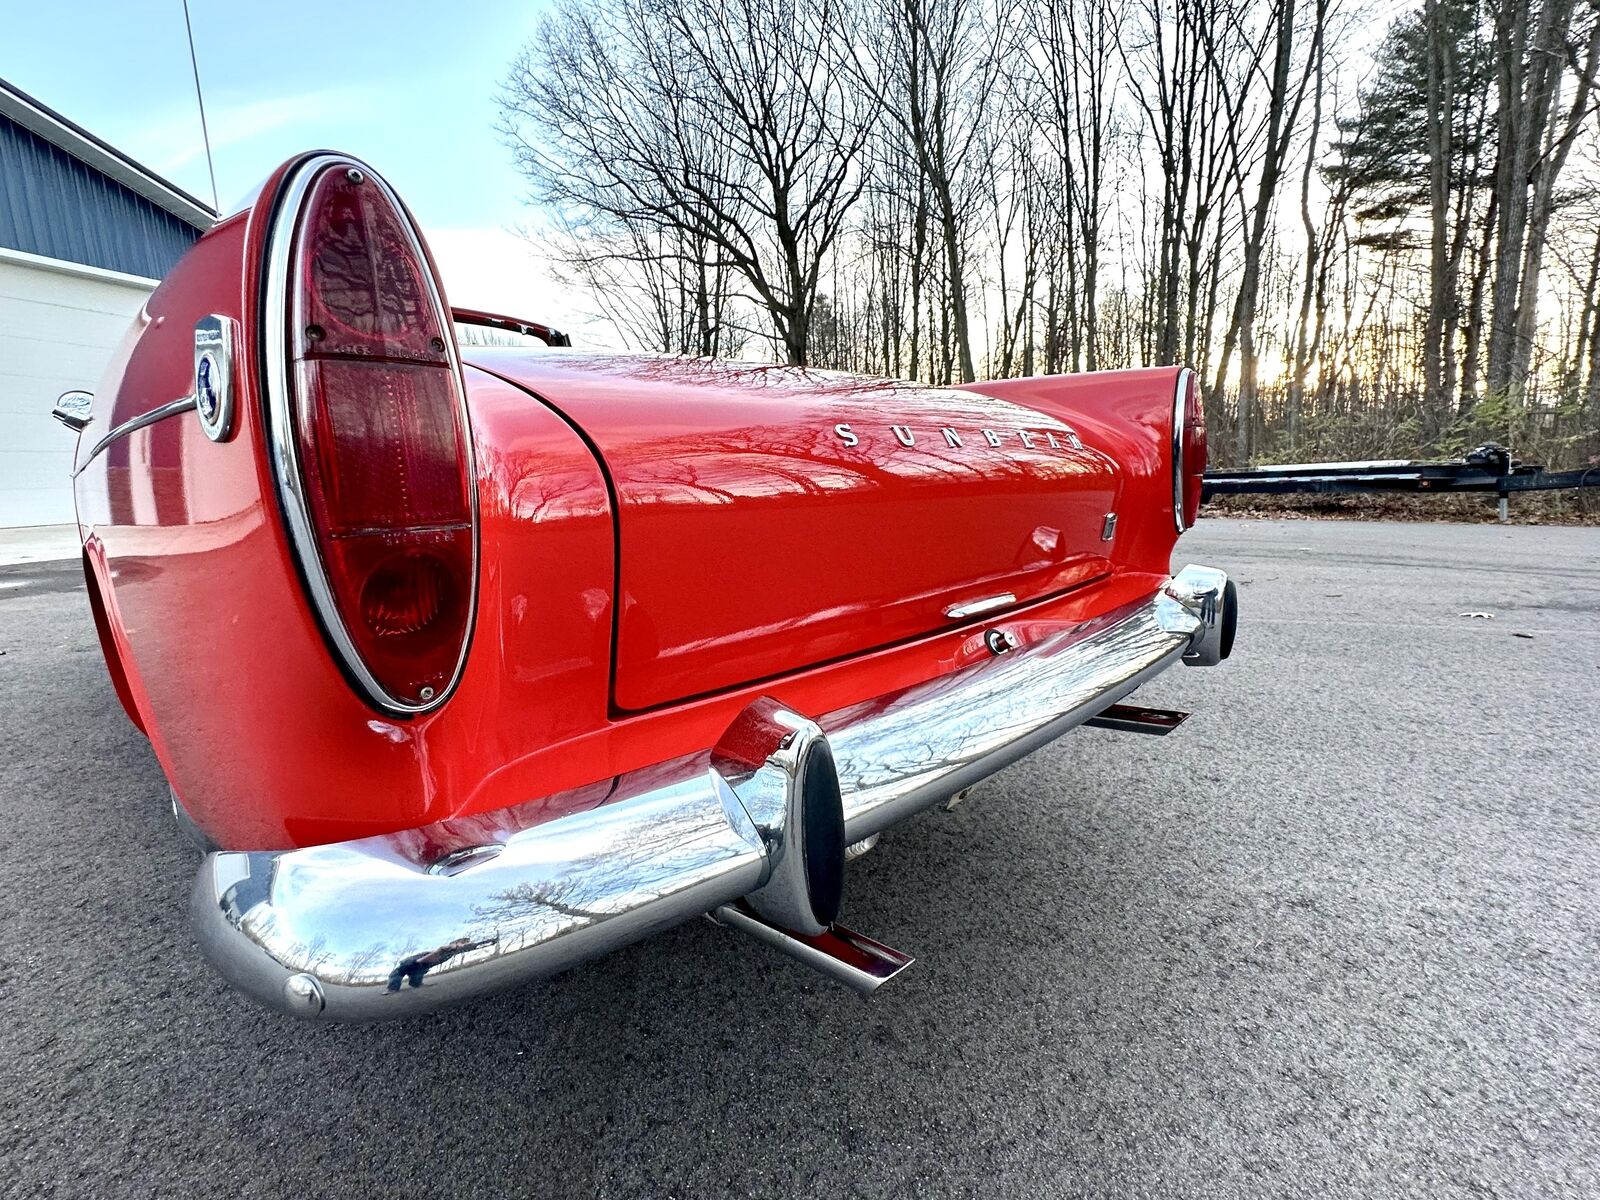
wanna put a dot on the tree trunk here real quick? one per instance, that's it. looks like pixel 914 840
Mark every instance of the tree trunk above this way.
pixel 1440 107
pixel 1516 143
pixel 1250 280
pixel 955 265
pixel 1552 146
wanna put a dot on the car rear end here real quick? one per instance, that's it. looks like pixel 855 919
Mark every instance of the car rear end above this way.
pixel 473 665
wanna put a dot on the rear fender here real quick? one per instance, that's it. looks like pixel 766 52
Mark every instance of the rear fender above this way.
pixel 110 634
pixel 1127 415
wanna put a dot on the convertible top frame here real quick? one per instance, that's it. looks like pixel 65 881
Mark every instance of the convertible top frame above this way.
pixel 475 316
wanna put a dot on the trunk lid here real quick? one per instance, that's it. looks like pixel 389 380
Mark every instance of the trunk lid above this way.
pixel 773 518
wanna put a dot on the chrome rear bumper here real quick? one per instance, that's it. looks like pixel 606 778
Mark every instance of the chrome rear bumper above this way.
pixel 386 926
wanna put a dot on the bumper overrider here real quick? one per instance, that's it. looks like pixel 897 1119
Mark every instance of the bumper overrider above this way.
pixel 753 831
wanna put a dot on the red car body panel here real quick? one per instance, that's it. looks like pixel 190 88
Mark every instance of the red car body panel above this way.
pixel 771 518
pixel 758 555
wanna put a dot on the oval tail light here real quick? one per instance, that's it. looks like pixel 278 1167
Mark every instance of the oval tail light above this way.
pixel 1188 449
pixel 367 422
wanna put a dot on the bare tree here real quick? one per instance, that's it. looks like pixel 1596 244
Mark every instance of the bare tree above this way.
pixel 728 124
pixel 935 63
pixel 1076 61
pixel 1532 52
pixel 662 289
pixel 1283 98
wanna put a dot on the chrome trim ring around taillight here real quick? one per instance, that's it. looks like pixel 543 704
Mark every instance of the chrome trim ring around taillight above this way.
pixel 1180 404
pixel 279 411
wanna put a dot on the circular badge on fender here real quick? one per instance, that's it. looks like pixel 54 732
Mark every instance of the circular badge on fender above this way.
pixel 213 375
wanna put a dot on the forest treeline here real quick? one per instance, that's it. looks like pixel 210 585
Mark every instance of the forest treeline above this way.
pixel 1374 231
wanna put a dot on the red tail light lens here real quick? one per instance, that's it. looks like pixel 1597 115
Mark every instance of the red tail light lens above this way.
pixel 370 427
pixel 1188 449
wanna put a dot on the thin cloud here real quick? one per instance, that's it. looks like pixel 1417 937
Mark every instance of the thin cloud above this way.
pixel 171 142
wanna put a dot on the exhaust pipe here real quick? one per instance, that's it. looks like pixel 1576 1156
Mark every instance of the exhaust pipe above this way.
pixel 851 958
pixel 1131 718
pixel 781 768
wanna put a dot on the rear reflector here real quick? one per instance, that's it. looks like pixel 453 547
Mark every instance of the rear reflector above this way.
pixel 368 421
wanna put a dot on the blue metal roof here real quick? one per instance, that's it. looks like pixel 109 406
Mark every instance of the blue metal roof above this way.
pixel 57 206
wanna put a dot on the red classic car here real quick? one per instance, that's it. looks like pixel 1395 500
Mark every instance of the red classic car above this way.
pixel 468 664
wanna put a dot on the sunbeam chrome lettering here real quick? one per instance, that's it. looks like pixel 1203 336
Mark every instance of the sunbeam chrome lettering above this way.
pixel 953 439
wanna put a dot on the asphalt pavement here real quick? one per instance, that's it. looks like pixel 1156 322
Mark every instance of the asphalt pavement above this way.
pixel 1338 935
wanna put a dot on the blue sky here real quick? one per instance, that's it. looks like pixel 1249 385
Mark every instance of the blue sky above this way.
pixel 409 87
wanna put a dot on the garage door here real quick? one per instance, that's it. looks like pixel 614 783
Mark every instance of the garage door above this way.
pixel 59 323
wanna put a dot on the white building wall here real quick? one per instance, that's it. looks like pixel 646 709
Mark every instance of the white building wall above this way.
pixel 59 323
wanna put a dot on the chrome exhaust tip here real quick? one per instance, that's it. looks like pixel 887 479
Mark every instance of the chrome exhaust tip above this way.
pixel 843 955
